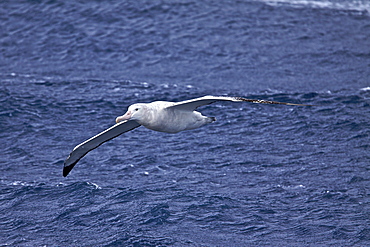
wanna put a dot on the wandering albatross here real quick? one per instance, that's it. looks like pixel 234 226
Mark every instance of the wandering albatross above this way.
pixel 163 116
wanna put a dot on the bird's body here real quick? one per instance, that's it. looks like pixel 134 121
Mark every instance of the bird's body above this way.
pixel 163 116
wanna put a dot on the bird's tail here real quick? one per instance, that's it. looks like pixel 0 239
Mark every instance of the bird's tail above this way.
pixel 211 119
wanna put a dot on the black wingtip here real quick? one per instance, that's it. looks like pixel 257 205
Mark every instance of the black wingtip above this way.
pixel 67 169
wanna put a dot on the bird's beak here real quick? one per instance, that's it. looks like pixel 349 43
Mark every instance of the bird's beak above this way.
pixel 127 116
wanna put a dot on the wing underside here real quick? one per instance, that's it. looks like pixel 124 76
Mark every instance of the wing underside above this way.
pixel 82 149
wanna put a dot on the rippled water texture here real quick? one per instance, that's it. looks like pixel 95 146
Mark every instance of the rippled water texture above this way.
pixel 261 175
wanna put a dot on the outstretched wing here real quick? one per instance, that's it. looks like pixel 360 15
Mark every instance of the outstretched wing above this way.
pixel 191 105
pixel 82 149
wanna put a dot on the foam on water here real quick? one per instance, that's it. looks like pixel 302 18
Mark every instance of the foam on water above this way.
pixel 351 5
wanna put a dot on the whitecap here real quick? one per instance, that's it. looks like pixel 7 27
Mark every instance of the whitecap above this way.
pixel 94 185
pixel 356 5
pixel 365 89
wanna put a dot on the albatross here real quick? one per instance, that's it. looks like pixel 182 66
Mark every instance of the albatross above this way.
pixel 163 116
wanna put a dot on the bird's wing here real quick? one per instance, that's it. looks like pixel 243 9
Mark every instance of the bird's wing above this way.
pixel 82 149
pixel 191 105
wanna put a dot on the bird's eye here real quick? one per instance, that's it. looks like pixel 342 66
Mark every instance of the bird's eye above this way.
pixel 136 109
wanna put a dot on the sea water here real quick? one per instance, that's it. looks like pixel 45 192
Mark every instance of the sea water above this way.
pixel 261 175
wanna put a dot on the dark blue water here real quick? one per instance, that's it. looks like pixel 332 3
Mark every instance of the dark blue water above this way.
pixel 261 175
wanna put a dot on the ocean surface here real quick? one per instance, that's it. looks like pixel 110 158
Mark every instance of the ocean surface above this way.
pixel 261 175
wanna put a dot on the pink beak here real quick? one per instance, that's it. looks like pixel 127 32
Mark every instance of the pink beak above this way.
pixel 127 116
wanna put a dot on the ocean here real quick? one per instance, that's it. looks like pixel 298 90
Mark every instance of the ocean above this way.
pixel 261 175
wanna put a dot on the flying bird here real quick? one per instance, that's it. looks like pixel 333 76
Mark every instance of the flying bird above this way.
pixel 163 116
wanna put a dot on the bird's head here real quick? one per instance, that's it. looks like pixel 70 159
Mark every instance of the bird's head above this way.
pixel 134 112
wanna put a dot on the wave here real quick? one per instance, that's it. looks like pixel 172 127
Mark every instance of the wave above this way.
pixel 351 5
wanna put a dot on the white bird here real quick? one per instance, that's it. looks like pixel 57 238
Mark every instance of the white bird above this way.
pixel 163 116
